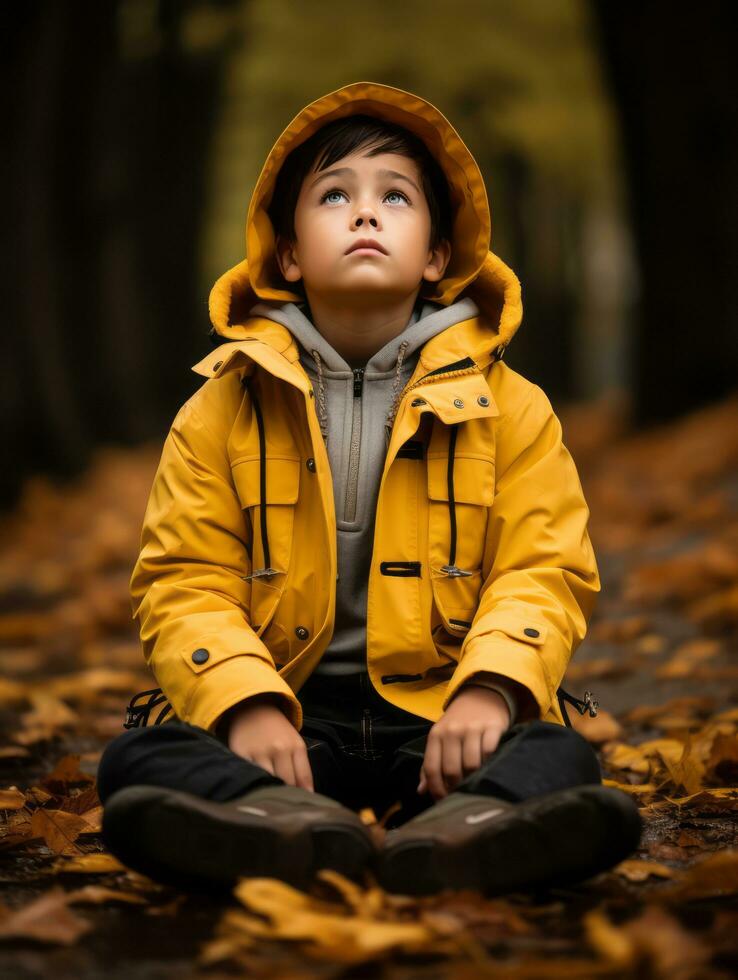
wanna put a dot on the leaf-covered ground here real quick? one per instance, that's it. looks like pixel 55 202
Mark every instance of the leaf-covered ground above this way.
pixel 659 659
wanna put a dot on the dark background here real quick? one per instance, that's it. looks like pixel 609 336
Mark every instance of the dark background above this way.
pixel 137 129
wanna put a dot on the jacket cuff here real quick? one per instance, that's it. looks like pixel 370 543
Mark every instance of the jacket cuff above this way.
pixel 514 661
pixel 487 681
pixel 240 677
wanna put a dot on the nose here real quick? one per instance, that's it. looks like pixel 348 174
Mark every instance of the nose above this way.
pixel 365 215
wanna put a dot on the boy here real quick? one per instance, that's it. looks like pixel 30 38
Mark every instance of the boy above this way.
pixel 365 562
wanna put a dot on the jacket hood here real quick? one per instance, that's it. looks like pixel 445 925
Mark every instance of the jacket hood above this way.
pixel 473 269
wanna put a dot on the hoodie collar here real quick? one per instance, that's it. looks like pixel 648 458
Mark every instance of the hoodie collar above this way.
pixel 426 320
pixel 473 270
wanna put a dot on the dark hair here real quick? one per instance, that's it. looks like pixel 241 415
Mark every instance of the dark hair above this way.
pixel 338 139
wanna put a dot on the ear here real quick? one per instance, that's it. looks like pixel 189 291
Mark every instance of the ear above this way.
pixel 287 259
pixel 439 258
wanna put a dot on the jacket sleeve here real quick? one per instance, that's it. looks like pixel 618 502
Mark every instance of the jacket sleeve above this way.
pixel 540 573
pixel 187 588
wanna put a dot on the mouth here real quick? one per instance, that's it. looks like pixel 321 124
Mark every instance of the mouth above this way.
pixel 367 246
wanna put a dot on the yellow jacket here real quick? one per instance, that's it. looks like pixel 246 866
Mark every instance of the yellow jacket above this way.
pixel 234 599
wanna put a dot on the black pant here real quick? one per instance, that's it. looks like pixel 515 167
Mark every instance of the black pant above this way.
pixel 363 752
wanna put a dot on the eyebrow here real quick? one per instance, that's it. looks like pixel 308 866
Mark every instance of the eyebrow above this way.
pixel 343 171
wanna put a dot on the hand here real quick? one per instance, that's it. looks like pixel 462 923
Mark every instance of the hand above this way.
pixel 260 732
pixel 467 732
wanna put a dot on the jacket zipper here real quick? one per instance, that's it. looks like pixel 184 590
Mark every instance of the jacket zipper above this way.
pixel 352 482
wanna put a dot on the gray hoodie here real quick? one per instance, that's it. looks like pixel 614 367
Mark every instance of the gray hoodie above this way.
pixel 354 407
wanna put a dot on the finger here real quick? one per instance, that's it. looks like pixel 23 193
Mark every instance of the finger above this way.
pixel 490 741
pixel 303 772
pixel 451 761
pixel 423 784
pixel 284 767
pixel 432 767
pixel 471 752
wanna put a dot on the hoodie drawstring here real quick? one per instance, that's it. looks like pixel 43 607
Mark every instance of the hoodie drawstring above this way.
pixel 322 413
pixel 396 384
pixel 267 571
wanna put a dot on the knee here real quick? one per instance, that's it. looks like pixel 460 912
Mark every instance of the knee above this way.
pixel 583 752
pixel 578 749
pixel 111 770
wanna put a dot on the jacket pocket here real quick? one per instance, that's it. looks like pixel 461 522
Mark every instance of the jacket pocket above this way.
pixel 456 598
pixel 271 537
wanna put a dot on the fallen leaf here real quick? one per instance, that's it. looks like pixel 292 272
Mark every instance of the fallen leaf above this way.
pixel 46 919
pixel 721 767
pixel 12 798
pixel 635 869
pixel 59 829
pixel 652 944
pixel 713 876
pixel 65 773
pixel 96 863
pixel 99 894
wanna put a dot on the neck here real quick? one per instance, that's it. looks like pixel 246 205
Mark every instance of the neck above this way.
pixel 357 334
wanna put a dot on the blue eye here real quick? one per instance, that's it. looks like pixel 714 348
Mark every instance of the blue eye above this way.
pixel 330 194
pixel 335 190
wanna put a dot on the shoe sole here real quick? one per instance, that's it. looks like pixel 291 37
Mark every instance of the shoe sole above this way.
pixel 529 846
pixel 194 844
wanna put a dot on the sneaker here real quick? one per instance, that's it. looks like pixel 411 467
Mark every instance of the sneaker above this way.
pixel 495 846
pixel 275 831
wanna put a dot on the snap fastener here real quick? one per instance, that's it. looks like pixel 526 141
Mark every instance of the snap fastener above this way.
pixel 200 656
pixel 458 403
pixel 302 633
pixel 483 400
pixel 310 463
pixel 311 393
pixel 418 401
pixel 217 365
pixel 529 631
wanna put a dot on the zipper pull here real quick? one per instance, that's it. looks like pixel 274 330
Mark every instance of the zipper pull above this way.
pixel 358 381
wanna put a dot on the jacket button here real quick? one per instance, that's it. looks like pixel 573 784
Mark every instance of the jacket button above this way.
pixel 200 656
pixel 302 633
pixel 458 402
pixel 418 401
pixel 483 400
pixel 217 365
pixel 529 631
pixel 311 464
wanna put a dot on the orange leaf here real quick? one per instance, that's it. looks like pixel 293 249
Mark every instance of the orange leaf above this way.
pixel 59 829
pixel 12 799
pixel 46 919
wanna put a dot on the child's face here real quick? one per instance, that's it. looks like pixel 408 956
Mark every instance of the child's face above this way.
pixel 377 197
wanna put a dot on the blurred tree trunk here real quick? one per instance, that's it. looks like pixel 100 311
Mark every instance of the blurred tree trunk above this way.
pixel 111 122
pixel 670 74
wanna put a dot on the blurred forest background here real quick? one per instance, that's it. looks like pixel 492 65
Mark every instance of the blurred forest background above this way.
pixel 607 136
pixel 606 133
